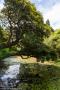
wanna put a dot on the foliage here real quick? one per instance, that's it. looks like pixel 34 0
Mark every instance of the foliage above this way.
pixel 39 77
pixel 22 17
pixel 26 32
pixel 48 22
pixel 3 35
pixel 54 42
pixel 48 30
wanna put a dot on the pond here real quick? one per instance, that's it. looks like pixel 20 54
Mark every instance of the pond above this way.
pixel 15 75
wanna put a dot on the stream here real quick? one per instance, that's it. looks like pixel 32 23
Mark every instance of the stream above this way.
pixel 17 76
pixel 9 71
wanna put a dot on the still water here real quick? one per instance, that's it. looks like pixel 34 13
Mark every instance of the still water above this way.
pixel 17 76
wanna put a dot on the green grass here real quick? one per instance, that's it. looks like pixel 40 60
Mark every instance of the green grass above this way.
pixel 6 53
pixel 42 77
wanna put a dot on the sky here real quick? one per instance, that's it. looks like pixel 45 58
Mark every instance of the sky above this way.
pixel 1 4
pixel 50 9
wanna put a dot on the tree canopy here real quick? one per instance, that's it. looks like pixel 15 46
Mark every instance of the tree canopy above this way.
pixel 24 28
pixel 22 17
pixel 54 42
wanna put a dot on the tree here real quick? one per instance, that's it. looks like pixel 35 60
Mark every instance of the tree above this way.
pixel 48 22
pixel 54 42
pixel 48 30
pixel 26 28
pixel 22 17
pixel 1 34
